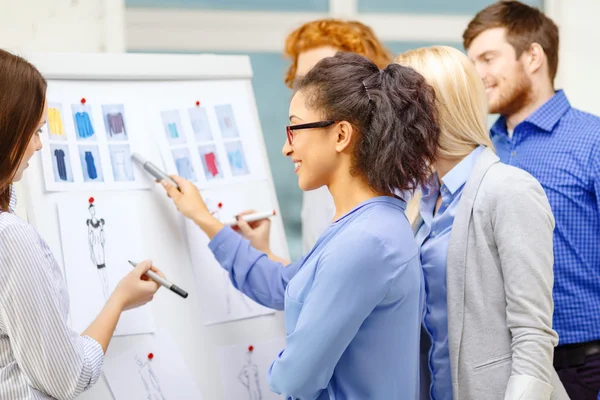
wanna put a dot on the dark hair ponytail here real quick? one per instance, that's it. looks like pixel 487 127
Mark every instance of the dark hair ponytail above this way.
pixel 392 109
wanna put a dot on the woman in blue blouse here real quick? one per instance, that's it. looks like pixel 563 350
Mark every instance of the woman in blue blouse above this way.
pixel 353 304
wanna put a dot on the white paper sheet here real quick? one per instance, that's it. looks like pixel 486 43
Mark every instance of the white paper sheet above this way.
pixel 88 146
pixel 244 368
pixel 98 238
pixel 152 370
pixel 213 144
pixel 220 301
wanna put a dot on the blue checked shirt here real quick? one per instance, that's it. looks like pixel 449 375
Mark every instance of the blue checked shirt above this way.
pixel 560 147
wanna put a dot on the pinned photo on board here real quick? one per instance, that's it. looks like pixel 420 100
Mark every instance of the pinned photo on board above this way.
pixel 61 163
pixel 200 124
pixel 210 162
pixel 183 162
pixel 173 127
pixel 55 125
pixel 120 159
pixel 114 121
pixel 84 124
pixel 236 157
pixel 91 165
pixel 227 122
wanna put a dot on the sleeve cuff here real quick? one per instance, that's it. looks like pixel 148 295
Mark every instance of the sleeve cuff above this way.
pixel 525 387
pixel 94 359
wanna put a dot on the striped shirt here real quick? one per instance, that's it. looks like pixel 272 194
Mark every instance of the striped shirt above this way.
pixel 40 356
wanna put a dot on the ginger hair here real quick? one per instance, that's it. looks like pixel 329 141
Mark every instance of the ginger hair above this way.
pixel 347 36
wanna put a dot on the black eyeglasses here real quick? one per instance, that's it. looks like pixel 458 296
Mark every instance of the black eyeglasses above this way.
pixel 311 125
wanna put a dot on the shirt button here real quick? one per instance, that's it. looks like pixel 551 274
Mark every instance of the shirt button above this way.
pixel 433 233
pixel 514 153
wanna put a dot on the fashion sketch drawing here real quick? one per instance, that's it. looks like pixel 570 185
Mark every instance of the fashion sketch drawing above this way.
pixel 149 379
pixel 96 241
pixel 249 377
pixel 229 290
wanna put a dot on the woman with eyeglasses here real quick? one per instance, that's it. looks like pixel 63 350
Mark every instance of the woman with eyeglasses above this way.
pixel 353 304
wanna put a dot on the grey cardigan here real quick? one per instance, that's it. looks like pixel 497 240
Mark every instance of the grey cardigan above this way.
pixel 499 282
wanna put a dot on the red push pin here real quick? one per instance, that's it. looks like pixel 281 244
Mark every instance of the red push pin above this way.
pixel 197 103
pixel 83 100
pixel 91 200
pixel 150 356
pixel 220 205
pixel 250 348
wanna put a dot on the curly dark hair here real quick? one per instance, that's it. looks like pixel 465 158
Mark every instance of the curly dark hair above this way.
pixel 393 110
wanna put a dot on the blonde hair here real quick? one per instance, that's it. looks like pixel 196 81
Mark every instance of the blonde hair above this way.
pixel 461 102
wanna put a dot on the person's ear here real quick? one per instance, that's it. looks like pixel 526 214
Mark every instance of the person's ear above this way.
pixel 344 132
pixel 534 58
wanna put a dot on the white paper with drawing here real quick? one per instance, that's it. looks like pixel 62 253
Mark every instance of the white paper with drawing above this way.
pixel 220 301
pixel 90 136
pixel 211 143
pixel 152 370
pixel 244 369
pixel 99 235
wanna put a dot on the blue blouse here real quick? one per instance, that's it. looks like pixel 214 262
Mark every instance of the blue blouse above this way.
pixel 353 305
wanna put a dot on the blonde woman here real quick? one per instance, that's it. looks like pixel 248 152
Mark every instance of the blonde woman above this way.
pixel 485 233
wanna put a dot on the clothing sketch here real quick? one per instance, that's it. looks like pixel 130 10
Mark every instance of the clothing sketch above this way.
pixel 96 242
pixel 230 291
pixel 184 167
pixel 149 379
pixel 91 166
pixel 60 164
pixel 119 169
pixel 116 124
pixel 172 130
pixel 236 160
pixel 55 124
pixel 83 125
pixel 250 378
pixel 210 160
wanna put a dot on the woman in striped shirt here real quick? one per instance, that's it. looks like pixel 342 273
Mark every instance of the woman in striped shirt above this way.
pixel 40 356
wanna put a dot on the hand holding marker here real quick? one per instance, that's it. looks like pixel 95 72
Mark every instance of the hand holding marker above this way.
pixel 153 169
pixel 161 281
pixel 160 175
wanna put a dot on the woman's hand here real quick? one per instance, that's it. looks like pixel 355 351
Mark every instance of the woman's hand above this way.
pixel 256 232
pixel 136 289
pixel 189 202
pixel 187 199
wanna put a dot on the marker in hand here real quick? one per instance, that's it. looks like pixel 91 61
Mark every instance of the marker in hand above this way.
pixel 153 169
pixel 162 281
pixel 251 217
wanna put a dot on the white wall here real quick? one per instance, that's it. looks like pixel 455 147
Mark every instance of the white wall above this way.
pixel 62 26
pixel 579 59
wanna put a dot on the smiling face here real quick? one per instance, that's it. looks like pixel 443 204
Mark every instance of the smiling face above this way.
pixel 35 144
pixel 508 86
pixel 314 152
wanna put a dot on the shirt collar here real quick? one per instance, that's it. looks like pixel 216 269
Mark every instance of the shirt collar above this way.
pixel 13 199
pixel 458 176
pixel 545 117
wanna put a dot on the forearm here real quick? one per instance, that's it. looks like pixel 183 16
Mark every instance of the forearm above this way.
pixel 251 271
pixel 209 224
pixel 103 327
